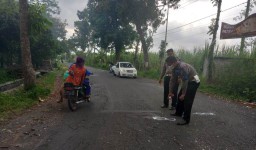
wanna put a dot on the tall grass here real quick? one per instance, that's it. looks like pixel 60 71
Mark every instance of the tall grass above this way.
pixel 236 79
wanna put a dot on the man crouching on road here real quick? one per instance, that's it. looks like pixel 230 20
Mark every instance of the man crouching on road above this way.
pixel 190 83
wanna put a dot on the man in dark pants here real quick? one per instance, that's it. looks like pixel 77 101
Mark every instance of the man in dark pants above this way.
pixel 166 73
pixel 189 81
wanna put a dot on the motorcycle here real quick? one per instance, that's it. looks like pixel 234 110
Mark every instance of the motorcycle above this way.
pixel 74 95
pixel 77 94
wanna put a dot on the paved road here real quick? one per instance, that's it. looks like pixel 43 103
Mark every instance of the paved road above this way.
pixel 125 114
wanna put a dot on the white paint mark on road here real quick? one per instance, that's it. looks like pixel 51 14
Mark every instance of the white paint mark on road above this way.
pixel 204 114
pixel 130 111
pixel 163 118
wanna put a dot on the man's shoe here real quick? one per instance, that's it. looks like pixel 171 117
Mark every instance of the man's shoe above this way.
pixel 182 123
pixel 164 106
pixel 175 115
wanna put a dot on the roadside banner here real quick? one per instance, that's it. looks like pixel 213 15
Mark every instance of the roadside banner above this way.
pixel 246 28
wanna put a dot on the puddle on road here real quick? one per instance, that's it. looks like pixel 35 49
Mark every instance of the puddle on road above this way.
pixel 204 114
pixel 158 118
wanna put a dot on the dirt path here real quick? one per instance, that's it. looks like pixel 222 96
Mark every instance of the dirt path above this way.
pixel 31 126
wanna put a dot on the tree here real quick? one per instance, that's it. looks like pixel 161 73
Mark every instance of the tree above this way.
pixel 28 71
pixel 9 39
pixel 82 34
pixel 146 15
pixel 49 12
pixel 213 31
pixel 46 33
pixel 58 28
pixel 162 52
pixel 110 26
pixel 52 7
pixel 135 59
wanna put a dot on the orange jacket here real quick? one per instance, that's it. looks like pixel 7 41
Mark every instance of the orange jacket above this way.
pixel 78 75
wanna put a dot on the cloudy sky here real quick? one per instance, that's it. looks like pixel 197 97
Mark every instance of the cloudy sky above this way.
pixel 187 26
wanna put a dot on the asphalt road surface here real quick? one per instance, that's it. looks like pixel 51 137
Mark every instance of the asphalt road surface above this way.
pixel 125 114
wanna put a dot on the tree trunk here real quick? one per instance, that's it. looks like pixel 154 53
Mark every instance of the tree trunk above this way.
pixel 1 61
pixel 144 47
pixel 117 53
pixel 212 46
pixel 242 45
pixel 28 71
pixel 117 56
pixel 135 59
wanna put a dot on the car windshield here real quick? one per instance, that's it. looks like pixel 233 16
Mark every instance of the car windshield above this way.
pixel 126 65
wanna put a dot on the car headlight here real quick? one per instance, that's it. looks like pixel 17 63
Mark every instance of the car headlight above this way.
pixel 122 70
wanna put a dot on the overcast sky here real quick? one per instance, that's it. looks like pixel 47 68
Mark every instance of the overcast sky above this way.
pixel 179 34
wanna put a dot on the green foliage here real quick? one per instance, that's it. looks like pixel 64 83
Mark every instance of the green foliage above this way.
pixel 14 103
pixel 5 77
pixel 47 33
pixel 37 92
pixel 236 80
pixel 109 24
pixel 151 73
pixel 83 31
pixel 230 52
pixel 52 7
pixel 162 48
pixel 9 29
pixel 19 100
pixel 239 78
pixel 195 58
pixel 37 19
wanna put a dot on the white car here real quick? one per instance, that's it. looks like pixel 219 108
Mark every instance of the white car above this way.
pixel 124 69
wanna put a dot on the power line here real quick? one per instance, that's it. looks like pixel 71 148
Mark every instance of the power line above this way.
pixel 171 40
pixel 190 29
pixel 158 42
pixel 200 19
pixel 185 2
pixel 181 4
pixel 188 4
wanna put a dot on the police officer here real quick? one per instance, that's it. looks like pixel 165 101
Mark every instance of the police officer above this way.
pixel 189 84
pixel 166 73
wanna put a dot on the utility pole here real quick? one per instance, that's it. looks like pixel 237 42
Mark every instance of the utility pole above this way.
pixel 242 45
pixel 166 25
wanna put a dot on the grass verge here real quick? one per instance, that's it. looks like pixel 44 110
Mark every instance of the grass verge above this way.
pixel 14 102
pixel 218 91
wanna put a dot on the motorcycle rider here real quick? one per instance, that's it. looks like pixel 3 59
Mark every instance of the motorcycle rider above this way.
pixel 76 75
